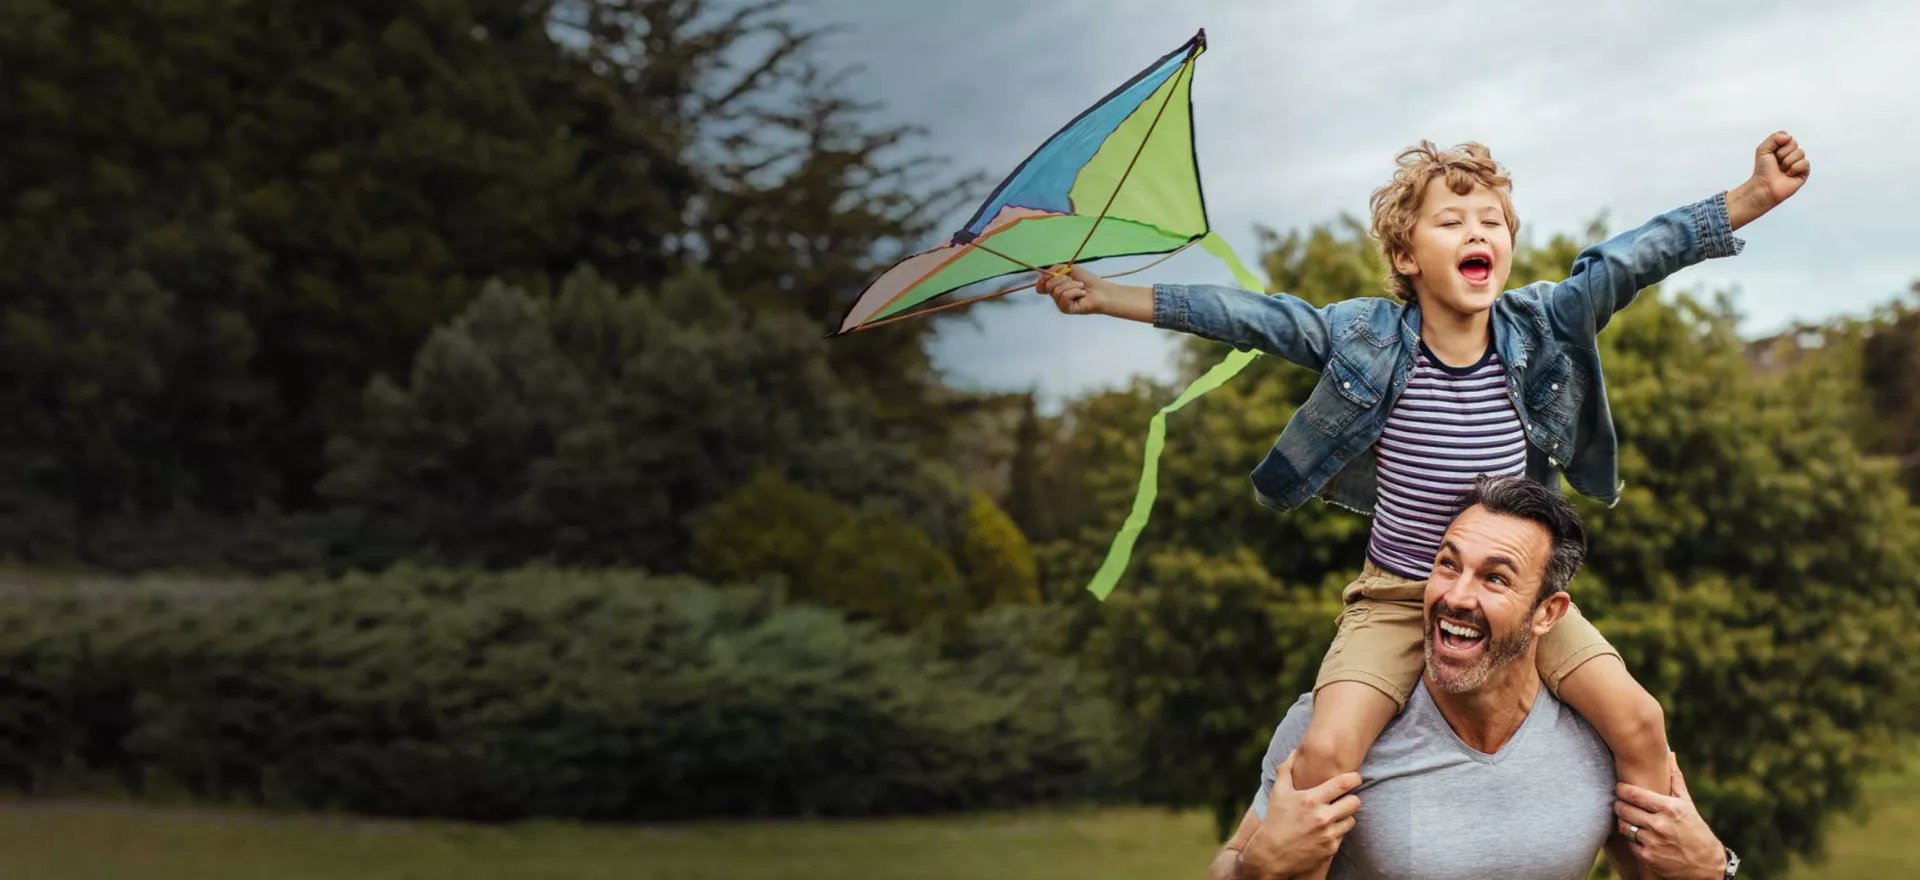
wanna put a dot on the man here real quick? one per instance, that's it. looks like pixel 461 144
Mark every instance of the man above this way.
pixel 1484 774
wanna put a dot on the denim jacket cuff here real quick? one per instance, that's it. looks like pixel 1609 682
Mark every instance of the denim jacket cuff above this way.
pixel 1170 307
pixel 1710 223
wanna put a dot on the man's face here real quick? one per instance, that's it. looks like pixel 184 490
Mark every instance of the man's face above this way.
pixel 1462 249
pixel 1480 613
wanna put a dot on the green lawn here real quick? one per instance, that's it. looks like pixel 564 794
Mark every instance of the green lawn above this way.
pixel 93 841
pixel 72 841
pixel 1884 845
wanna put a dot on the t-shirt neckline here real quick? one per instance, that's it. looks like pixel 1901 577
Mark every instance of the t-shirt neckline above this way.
pixel 1434 361
pixel 1527 724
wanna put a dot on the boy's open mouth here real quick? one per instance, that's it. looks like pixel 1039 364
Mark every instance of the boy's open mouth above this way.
pixel 1476 270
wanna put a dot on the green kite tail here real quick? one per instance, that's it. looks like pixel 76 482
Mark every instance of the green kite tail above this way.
pixel 1143 498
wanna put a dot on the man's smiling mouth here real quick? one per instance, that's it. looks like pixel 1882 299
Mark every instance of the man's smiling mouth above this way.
pixel 1459 637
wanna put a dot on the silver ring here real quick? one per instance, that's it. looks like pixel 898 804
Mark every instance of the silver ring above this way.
pixel 1634 834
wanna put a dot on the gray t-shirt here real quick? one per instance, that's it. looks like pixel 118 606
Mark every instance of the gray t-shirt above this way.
pixel 1435 808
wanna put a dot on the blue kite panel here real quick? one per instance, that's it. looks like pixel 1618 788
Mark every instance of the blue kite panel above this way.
pixel 1045 179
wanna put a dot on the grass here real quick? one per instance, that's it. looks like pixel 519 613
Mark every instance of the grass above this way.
pixel 91 841
pixel 73 840
pixel 1882 844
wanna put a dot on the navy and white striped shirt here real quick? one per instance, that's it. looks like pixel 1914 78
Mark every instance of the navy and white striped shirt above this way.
pixel 1449 426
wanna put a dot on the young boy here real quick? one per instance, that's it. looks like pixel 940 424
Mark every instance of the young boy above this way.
pixel 1455 379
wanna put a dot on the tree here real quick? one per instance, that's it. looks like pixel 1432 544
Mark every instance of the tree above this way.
pixel 875 567
pixel 125 282
pixel 1023 469
pixel 796 198
pixel 590 429
pixel 770 526
pixel 230 216
pixel 996 559
pixel 1891 371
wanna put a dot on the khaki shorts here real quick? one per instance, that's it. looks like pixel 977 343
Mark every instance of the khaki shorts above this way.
pixel 1379 639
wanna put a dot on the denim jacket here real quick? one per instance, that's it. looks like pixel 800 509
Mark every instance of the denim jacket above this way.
pixel 1364 351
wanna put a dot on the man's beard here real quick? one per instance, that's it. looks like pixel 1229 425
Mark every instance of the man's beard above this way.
pixel 1454 679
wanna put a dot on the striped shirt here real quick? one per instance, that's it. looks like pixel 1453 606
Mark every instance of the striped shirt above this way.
pixel 1449 426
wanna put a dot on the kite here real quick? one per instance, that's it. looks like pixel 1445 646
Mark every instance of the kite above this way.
pixel 1121 180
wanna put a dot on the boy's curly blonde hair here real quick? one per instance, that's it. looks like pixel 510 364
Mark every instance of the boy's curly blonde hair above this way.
pixel 1396 206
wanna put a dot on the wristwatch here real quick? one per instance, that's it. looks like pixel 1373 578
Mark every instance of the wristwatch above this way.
pixel 1733 862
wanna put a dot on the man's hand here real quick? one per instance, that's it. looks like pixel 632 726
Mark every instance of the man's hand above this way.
pixel 1303 828
pixel 1779 170
pixel 1673 842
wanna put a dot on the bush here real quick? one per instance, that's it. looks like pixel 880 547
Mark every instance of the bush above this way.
pixel 770 526
pixel 875 567
pixel 997 561
pixel 539 692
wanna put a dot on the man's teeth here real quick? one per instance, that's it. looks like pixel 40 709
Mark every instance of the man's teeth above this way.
pixel 1455 629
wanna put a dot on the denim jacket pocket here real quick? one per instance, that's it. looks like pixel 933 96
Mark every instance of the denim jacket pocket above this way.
pixel 1554 397
pixel 1342 395
pixel 1554 389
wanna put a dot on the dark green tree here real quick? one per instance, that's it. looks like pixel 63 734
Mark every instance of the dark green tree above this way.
pixel 593 427
pixel 229 216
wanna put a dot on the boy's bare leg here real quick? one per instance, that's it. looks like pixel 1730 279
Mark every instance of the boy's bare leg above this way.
pixel 1625 715
pixel 1347 717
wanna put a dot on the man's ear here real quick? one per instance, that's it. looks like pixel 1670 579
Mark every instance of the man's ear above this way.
pixel 1550 612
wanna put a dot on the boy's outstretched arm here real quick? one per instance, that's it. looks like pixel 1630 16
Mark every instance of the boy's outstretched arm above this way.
pixel 1277 324
pixel 1609 276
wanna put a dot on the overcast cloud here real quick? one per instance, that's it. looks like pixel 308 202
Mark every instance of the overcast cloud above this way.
pixel 1626 108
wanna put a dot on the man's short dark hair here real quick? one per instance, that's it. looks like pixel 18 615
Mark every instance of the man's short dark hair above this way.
pixel 1526 498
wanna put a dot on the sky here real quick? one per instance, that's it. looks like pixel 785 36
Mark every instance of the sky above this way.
pixel 1623 110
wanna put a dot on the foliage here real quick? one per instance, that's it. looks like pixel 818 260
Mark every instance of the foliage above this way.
pixel 592 428
pixel 234 214
pixel 1760 574
pixel 1206 654
pixel 996 559
pixel 538 692
pixel 770 526
pixel 1870 366
pixel 875 567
